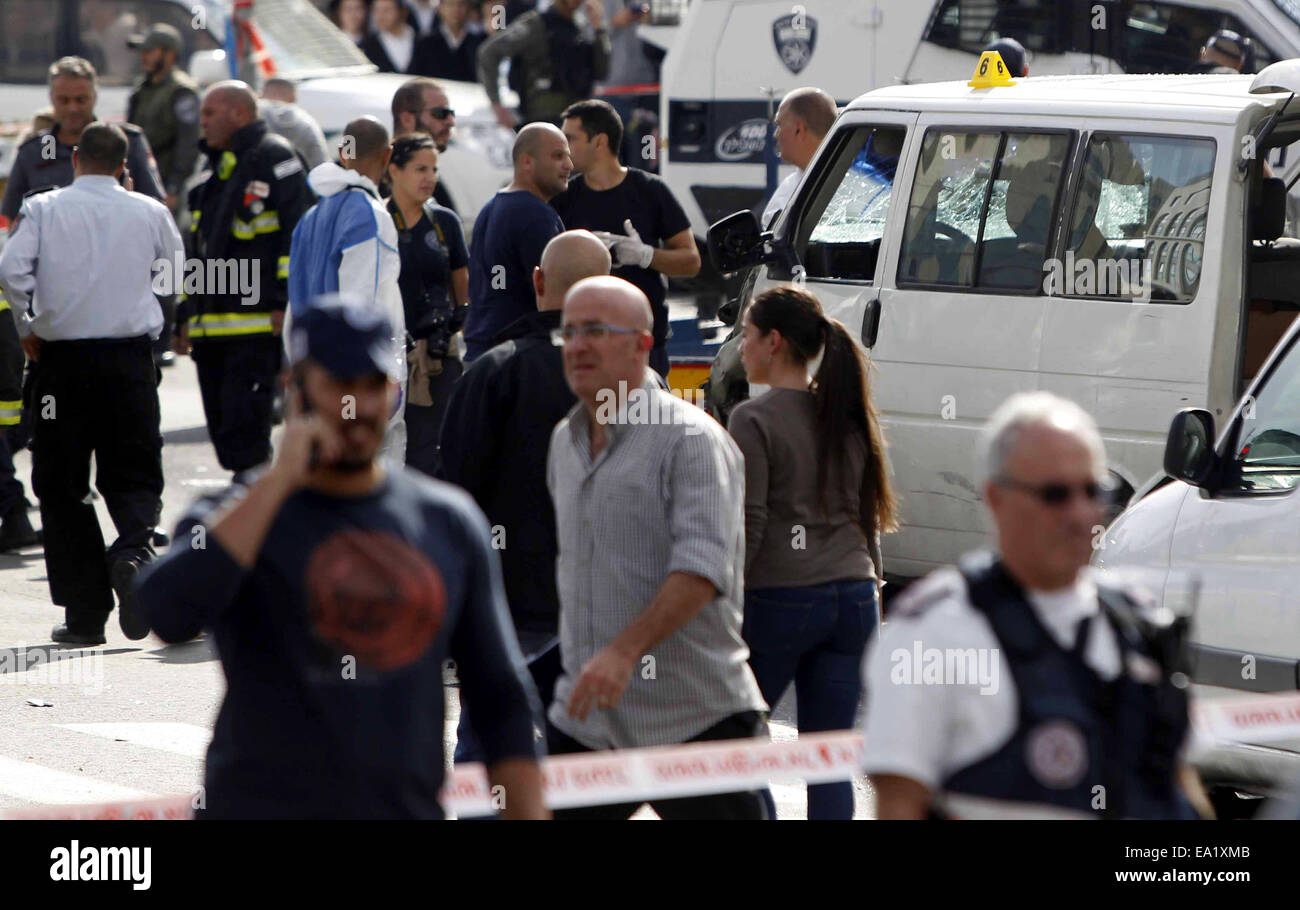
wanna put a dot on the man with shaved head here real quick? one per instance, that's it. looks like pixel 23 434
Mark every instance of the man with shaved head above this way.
pixel 347 244
pixel 244 213
pixel 494 440
pixel 802 122
pixel 510 233
pixel 649 509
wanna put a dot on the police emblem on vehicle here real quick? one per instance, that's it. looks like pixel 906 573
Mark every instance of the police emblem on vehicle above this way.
pixel 795 37
pixel 746 138
pixel 1057 754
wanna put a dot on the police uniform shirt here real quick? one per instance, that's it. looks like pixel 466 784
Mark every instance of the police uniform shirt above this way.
pixel 87 254
pixel 430 252
pixel 926 731
pixel 43 161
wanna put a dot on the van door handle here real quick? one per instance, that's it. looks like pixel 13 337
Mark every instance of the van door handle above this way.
pixel 871 323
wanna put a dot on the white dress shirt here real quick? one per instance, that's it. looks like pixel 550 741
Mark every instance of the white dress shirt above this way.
pixel 399 48
pixel 928 729
pixel 422 14
pixel 84 257
pixel 781 197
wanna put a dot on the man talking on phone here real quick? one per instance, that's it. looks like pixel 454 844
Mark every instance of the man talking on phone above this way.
pixel 337 586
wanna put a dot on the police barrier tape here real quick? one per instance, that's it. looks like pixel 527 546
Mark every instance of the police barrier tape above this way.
pixel 586 778
pixel 661 772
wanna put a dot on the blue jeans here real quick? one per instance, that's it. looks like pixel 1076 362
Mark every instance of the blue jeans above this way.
pixel 814 637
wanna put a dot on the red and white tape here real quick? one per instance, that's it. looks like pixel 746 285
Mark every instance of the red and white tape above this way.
pixel 1258 719
pixel 663 772
pixel 585 779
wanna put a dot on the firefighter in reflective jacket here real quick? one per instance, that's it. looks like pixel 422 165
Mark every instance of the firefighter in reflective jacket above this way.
pixel 232 308
pixel 15 528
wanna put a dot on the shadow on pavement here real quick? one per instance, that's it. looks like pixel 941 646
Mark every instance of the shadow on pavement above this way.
pixel 187 652
pixel 9 662
pixel 18 560
pixel 185 436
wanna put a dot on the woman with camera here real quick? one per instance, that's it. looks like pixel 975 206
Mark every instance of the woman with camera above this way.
pixel 435 292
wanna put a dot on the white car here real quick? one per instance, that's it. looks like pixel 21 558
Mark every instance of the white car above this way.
pixel 335 82
pixel 1219 535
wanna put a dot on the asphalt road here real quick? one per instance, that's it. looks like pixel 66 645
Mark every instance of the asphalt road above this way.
pixel 132 719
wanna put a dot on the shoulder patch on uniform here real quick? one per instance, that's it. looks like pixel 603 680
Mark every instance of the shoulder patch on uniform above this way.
pixel 286 167
pixel 936 588
pixel 186 107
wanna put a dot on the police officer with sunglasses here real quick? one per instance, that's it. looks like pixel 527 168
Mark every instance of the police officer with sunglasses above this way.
pixel 1023 683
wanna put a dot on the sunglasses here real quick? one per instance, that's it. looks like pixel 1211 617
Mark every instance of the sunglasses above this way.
pixel 1055 494
pixel 441 113
pixel 596 331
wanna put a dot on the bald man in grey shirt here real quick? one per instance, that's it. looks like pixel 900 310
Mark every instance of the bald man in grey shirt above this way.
pixel 649 500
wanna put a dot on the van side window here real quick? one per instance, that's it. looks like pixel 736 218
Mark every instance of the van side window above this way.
pixel 982 209
pixel 971 25
pixel 1267 454
pixel 1141 37
pixel 1137 230
pixel 29 34
pixel 839 235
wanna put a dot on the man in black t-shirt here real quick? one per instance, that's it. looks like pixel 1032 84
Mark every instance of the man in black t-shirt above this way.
pixel 633 211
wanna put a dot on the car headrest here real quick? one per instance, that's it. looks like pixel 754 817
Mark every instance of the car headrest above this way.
pixel 1268 221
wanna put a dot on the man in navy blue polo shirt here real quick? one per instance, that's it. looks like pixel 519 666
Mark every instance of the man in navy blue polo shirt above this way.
pixel 510 233
pixel 336 588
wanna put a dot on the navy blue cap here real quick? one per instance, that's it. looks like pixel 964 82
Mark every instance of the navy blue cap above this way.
pixel 1012 53
pixel 348 338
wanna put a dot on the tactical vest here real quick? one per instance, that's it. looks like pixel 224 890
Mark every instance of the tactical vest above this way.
pixel 1082 743
pixel 152 108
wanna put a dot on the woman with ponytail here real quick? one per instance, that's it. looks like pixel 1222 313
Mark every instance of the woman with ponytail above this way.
pixel 817 498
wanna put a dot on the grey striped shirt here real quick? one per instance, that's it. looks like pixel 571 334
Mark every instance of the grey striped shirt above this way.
pixel 665 495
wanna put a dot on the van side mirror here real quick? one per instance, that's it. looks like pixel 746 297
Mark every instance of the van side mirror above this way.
pixel 1189 449
pixel 736 242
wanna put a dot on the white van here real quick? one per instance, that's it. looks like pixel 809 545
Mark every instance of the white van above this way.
pixel 978 240
pixel 335 81
pixel 728 52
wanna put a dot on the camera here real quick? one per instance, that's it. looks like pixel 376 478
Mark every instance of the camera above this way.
pixel 442 324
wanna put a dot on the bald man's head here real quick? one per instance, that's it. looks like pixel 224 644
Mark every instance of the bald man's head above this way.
pixel 227 106
pixel 364 147
pixel 624 303
pixel 567 259
pixel 617 315
pixel 804 118
pixel 541 160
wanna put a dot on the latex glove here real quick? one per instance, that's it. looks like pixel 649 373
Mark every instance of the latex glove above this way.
pixel 628 248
